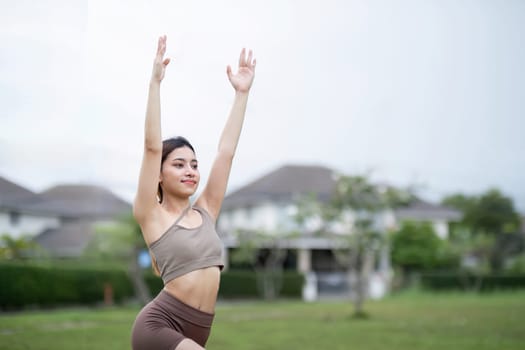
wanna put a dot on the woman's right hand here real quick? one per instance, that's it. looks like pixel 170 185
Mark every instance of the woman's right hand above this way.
pixel 160 63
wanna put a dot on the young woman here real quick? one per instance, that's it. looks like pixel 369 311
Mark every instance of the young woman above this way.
pixel 181 236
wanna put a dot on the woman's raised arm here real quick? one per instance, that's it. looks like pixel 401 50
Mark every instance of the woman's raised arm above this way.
pixel 146 197
pixel 213 194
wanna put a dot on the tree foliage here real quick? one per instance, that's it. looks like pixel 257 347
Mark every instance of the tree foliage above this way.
pixel 122 241
pixel 24 247
pixel 116 241
pixel 354 208
pixel 359 194
pixel 265 254
pixel 490 213
pixel 416 247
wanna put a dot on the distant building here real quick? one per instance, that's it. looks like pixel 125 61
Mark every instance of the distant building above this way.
pixel 61 219
pixel 269 204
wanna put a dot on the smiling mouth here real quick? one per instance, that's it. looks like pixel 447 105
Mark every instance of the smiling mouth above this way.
pixel 192 182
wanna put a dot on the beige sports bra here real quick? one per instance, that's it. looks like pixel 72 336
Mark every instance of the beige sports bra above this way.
pixel 181 250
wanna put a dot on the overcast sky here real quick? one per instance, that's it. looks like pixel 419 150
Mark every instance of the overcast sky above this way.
pixel 423 93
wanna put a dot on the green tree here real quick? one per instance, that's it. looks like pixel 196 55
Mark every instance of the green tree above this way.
pixel 517 266
pixel 415 247
pixel 17 248
pixel 493 213
pixel 265 253
pixel 355 205
pixel 122 242
pixel 490 214
pixel 460 202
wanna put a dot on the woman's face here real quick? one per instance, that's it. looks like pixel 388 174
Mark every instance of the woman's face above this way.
pixel 179 174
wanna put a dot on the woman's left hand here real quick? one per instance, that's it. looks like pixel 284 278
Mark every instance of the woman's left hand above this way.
pixel 243 79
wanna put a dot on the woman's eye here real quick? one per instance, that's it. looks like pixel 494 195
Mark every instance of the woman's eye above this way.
pixel 195 166
pixel 178 165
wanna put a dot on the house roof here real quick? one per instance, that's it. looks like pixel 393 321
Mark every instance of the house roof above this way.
pixel 284 184
pixel 68 240
pixel 81 206
pixel 288 182
pixel 11 192
pixel 422 210
pixel 69 201
pixel 83 201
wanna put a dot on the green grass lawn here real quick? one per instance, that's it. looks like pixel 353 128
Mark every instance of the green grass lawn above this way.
pixel 409 321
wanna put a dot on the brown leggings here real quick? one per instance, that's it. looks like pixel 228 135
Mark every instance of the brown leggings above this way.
pixel 166 321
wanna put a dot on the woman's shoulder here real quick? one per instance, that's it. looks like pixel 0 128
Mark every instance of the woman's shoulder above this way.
pixel 205 213
pixel 200 209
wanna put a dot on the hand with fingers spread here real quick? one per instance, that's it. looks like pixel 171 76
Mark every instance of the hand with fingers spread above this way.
pixel 243 79
pixel 160 63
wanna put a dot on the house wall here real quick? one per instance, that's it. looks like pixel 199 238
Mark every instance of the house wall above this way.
pixel 264 217
pixel 388 219
pixel 441 228
pixel 272 218
pixel 18 224
pixel 318 264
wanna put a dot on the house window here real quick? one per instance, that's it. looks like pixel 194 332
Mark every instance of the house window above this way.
pixel 14 218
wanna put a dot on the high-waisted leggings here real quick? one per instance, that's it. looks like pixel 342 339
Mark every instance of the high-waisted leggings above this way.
pixel 166 321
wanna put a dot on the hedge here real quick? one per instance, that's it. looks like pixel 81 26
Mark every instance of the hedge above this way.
pixel 243 284
pixel 28 285
pixel 469 281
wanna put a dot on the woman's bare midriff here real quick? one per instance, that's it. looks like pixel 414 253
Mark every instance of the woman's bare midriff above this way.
pixel 197 288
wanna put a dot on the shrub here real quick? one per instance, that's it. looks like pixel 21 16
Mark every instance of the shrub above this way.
pixel 46 286
pixel 242 284
pixel 469 281
pixel 415 246
pixel 28 285
pixel 517 265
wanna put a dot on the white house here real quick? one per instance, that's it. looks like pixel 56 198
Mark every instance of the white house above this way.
pixel 60 219
pixel 17 220
pixel 269 205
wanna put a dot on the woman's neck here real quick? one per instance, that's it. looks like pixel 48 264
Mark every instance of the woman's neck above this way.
pixel 175 205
